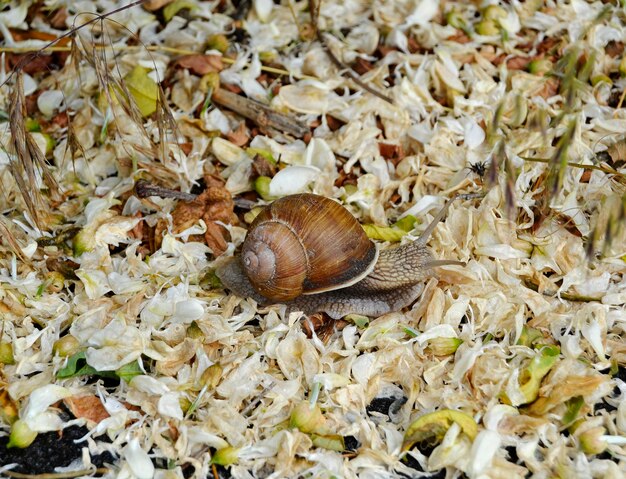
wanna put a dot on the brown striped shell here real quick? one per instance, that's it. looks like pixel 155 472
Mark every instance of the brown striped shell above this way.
pixel 305 244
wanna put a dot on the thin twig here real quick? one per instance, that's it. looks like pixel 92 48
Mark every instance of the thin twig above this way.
pixel 349 71
pixel 259 113
pixel 143 189
pixel 314 9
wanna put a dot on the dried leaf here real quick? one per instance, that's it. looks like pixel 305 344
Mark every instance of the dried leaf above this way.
pixel 86 407
pixel 200 64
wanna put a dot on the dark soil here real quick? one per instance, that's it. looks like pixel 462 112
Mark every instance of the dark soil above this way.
pixel 49 450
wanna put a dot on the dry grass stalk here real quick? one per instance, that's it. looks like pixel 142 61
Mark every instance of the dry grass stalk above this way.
pixel 29 161
pixel 7 236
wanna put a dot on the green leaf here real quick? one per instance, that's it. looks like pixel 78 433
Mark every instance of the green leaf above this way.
pixel 412 333
pixel 406 224
pixel 383 233
pixel 77 366
pixel 173 8
pixel 144 90
pixel 573 408
pixel 252 152
pixel 262 187
pixel 129 371
pixel 6 353
pixel 226 456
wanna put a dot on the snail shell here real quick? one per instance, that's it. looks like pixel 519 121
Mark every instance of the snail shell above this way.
pixel 305 244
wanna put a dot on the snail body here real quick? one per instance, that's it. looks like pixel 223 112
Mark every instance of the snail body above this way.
pixel 310 253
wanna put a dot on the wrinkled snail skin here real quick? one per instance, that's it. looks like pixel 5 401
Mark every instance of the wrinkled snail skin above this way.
pixel 381 282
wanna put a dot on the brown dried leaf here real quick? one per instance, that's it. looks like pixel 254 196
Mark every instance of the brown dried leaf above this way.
pixel 617 151
pixel 240 136
pixel 200 64
pixel 333 123
pixel 548 45
pixel 214 204
pixel 262 167
pixel 390 151
pixel 459 37
pixel 518 63
pixel 86 407
pixel 614 49
pixel 362 66
pixel 323 326
pixel 215 237
pixel 58 18
pixel 550 88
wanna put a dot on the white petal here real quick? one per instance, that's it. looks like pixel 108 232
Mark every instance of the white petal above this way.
pixel 439 331
pixel 474 134
pixel 263 9
pixel 188 311
pixel 138 460
pixel 30 249
pixel 49 101
pixel 494 415
pixel 226 152
pixel 293 179
pixel 15 15
pixel 424 12
pixel 593 334
pixel 95 282
pixel 483 450
pixel 40 399
pixel 318 154
pixel 331 381
pixel 305 98
pixel 30 84
pixel 169 405
pixel 150 385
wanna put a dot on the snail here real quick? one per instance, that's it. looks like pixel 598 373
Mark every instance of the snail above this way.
pixel 310 253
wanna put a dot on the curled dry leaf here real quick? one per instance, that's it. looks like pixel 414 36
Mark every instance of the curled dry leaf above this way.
pixel 200 64
pixel 86 407
pixel 323 326
pixel 240 136
pixel 214 205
